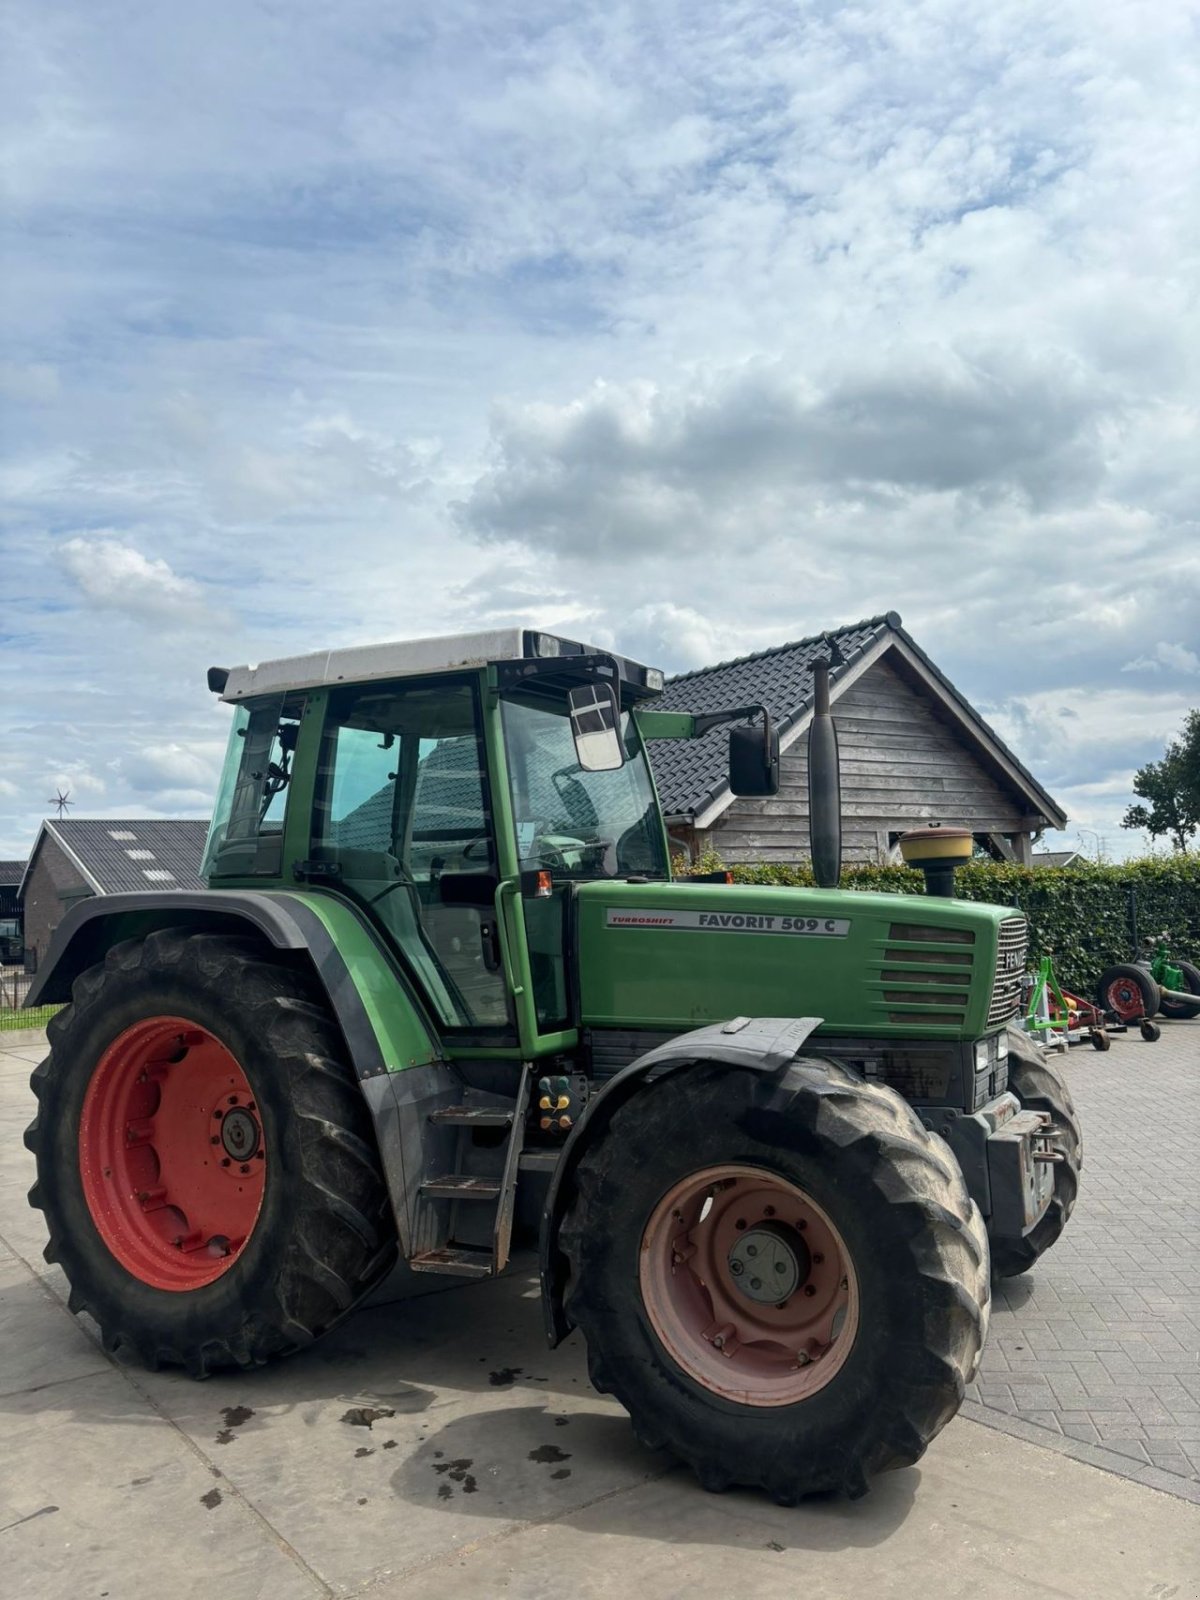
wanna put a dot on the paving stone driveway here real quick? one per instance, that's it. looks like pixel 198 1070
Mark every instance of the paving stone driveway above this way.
pixel 1099 1345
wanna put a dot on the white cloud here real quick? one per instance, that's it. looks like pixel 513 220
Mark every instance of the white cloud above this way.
pixel 1173 657
pixel 116 576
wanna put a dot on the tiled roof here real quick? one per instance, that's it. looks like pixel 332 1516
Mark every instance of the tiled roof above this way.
pixel 691 772
pixel 127 856
pixel 1055 858
pixel 11 872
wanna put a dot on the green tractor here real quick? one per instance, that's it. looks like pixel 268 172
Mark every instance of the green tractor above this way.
pixel 442 979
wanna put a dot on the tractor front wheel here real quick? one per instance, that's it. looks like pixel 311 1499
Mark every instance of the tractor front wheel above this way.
pixel 1040 1086
pixel 781 1277
pixel 205 1160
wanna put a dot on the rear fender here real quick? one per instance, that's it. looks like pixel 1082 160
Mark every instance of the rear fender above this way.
pixel 757 1044
pixel 392 1046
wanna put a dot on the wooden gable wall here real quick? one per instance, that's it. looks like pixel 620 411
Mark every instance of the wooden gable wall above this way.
pixel 902 767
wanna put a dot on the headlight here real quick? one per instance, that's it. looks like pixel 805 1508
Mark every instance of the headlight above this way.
pixel 655 679
pixel 983 1059
pixel 1002 1047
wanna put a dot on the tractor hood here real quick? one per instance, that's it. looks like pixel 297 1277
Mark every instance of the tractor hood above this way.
pixel 679 955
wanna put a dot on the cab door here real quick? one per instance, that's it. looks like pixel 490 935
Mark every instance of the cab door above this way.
pixel 403 815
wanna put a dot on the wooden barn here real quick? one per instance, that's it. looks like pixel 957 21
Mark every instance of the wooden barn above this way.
pixel 76 857
pixel 913 751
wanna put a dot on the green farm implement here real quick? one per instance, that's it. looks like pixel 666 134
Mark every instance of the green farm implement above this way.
pixel 441 978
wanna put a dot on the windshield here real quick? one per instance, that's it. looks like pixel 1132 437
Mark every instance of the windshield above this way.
pixel 578 824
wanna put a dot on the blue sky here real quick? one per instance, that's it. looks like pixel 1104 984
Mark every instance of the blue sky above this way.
pixel 692 329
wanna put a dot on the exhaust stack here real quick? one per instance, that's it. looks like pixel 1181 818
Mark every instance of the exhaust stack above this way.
pixel 937 852
pixel 824 785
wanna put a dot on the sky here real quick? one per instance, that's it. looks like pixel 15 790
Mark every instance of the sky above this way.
pixel 685 329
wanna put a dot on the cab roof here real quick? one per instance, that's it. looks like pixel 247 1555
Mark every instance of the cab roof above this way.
pixel 406 658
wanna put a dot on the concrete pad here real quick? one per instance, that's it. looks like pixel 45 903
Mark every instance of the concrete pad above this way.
pixel 42 1342
pixel 983 1517
pixel 489 1430
pixel 100 1496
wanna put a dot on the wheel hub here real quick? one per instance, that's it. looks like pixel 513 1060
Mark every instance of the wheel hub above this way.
pixel 240 1134
pixel 769 1263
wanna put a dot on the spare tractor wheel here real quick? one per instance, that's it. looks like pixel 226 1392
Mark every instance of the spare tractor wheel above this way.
pixel 1040 1086
pixel 782 1278
pixel 1180 1009
pixel 1128 991
pixel 205 1160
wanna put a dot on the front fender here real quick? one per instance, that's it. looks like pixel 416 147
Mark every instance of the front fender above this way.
pixel 758 1044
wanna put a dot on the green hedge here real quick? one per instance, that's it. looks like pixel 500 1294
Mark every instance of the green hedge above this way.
pixel 1078 914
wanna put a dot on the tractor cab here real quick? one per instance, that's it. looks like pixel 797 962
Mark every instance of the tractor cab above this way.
pixel 437 786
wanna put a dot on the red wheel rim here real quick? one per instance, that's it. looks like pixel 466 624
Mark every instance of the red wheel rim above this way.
pixel 171 1153
pixel 1125 997
pixel 716 1251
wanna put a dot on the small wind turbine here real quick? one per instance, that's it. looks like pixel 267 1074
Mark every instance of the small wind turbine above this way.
pixel 62 799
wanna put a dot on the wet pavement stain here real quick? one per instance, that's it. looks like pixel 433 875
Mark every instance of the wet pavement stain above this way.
pixel 501 1378
pixel 561 1422
pixel 42 1511
pixel 212 1499
pixel 362 1451
pixel 233 1417
pixel 389 1444
pixel 771 1545
pixel 363 1501
pixel 563 1472
pixel 457 1472
pixel 366 1416
pixel 549 1452
pixel 445 1492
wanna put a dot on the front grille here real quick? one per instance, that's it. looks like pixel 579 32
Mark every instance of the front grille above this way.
pixel 917 977
pixel 1010 966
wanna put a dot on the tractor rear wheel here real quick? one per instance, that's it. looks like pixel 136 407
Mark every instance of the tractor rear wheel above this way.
pixel 1129 991
pixel 781 1277
pixel 1040 1086
pixel 1178 1009
pixel 205 1160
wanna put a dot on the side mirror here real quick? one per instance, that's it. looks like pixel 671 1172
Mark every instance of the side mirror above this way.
pixel 754 761
pixel 596 727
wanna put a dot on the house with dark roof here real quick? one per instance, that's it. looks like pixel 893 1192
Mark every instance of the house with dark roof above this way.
pixel 914 751
pixel 1058 858
pixel 76 857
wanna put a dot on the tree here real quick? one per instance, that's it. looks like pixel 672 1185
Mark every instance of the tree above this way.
pixel 1172 788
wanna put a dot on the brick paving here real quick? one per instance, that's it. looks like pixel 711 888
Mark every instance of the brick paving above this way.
pixel 1099 1345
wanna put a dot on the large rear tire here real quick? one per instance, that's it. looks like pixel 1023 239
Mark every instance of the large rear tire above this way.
pixel 879 1329
pixel 1040 1086
pixel 205 1160
pixel 1129 991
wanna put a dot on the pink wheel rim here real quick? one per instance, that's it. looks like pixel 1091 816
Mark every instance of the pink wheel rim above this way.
pixel 717 1250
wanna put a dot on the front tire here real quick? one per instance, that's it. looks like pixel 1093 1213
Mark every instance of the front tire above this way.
pixel 205 1161
pixel 1040 1086
pixel 887 1317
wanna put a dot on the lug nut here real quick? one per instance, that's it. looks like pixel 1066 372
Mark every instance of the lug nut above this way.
pixel 224 1161
pixel 809 1290
pixel 233 1099
pixel 817 1258
pixel 756 1283
pixel 751 1249
pixel 736 1268
pixel 216 1139
pixel 245 1169
pixel 768 1211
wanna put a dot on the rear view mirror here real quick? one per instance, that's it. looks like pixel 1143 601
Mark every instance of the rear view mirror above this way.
pixel 754 761
pixel 596 727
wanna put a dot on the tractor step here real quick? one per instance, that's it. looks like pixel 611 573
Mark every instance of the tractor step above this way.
pixel 458 1262
pixel 462 1186
pixel 474 1116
